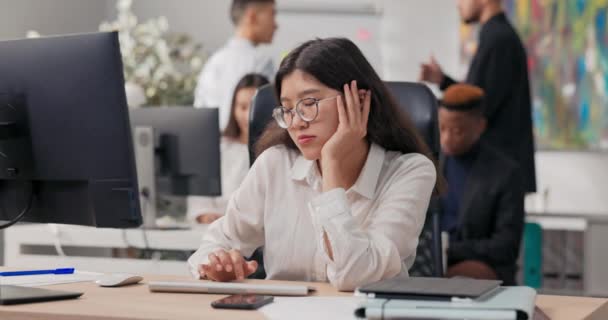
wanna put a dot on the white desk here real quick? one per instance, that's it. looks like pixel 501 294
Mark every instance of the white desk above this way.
pixel 595 228
pixel 20 238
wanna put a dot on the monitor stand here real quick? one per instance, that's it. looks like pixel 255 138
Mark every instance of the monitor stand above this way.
pixel 144 144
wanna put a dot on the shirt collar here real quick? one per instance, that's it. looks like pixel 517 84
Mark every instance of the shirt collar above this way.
pixel 306 170
pixel 300 168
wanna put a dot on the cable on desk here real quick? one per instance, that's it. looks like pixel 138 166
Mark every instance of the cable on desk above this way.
pixel 56 239
pixel 147 252
pixel 26 209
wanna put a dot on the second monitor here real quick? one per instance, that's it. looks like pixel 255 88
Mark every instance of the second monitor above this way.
pixel 178 153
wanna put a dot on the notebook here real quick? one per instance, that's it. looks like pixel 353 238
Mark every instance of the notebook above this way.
pixel 421 288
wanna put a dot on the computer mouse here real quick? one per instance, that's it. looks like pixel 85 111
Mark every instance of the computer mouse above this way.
pixel 118 279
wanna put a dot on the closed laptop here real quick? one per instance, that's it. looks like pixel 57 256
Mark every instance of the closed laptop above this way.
pixel 430 288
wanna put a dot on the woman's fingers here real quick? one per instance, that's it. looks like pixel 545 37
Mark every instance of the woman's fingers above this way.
pixel 342 118
pixel 350 103
pixel 250 267
pixel 201 271
pixel 348 98
pixel 207 218
pixel 214 275
pixel 367 102
pixel 238 262
pixel 209 272
pixel 215 262
pixel 358 104
pixel 355 109
pixel 225 260
pixel 227 266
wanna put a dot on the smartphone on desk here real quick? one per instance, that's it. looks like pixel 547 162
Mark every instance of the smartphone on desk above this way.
pixel 242 302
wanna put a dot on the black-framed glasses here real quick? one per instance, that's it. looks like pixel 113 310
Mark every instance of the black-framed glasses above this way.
pixel 307 109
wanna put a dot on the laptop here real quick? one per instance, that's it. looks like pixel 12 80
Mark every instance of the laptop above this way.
pixel 422 288
pixel 17 295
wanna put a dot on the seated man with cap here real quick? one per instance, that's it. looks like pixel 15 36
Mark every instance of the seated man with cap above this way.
pixel 483 208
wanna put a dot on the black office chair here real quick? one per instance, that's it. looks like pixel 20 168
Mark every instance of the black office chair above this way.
pixel 421 105
pixel 260 115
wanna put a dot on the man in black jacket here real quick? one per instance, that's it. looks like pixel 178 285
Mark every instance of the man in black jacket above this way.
pixel 500 68
pixel 483 209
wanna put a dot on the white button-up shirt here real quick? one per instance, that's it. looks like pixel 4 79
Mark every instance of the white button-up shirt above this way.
pixel 373 227
pixel 224 69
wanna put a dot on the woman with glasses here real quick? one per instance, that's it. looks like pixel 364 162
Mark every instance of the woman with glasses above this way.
pixel 341 186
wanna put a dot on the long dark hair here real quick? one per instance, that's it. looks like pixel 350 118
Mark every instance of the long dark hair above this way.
pixel 335 62
pixel 251 80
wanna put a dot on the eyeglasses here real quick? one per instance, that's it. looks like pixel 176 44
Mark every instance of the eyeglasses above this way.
pixel 307 109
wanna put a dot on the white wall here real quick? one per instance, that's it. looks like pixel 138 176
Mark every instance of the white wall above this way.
pixel 299 20
pixel 395 35
pixel 574 183
pixel 50 17
pixel 361 28
pixel 399 39
pixel 412 31
pixel 206 20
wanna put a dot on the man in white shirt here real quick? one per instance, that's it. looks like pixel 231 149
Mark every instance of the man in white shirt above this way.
pixel 255 24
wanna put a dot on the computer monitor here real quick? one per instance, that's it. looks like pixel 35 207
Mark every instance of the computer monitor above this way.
pixel 186 148
pixel 178 154
pixel 65 138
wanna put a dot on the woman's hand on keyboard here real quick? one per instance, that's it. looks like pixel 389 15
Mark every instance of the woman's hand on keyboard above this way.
pixel 227 266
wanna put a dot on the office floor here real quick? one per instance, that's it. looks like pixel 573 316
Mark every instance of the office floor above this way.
pixel 562 262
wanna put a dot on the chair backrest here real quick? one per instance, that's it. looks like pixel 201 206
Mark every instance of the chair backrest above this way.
pixel 260 115
pixel 419 103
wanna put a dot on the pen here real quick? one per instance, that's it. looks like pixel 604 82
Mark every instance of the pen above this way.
pixel 37 272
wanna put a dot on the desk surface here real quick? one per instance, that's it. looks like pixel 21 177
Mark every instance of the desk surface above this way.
pixel 136 302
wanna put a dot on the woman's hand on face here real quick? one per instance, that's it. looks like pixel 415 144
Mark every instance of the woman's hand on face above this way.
pixel 353 114
pixel 227 266
pixel 352 123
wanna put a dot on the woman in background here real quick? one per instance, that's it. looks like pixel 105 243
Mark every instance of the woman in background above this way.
pixel 234 153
